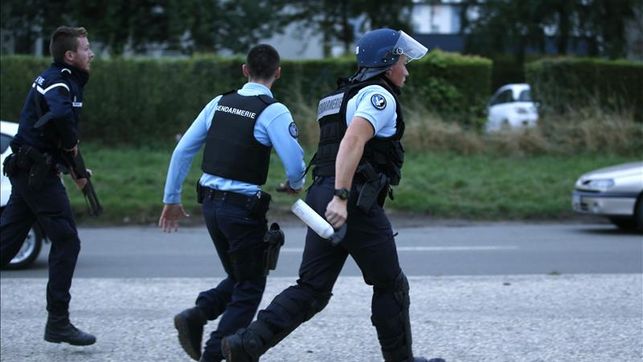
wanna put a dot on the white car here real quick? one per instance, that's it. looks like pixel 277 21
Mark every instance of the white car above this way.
pixel 615 192
pixel 33 243
pixel 511 107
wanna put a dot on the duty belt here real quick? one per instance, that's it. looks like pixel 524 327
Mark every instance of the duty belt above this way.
pixel 233 198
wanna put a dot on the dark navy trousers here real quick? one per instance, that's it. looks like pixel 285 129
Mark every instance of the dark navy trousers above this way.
pixel 237 235
pixel 369 241
pixel 48 205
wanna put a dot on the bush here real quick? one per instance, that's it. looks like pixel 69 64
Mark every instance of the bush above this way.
pixel 453 86
pixel 565 84
pixel 147 101
pixel 584 130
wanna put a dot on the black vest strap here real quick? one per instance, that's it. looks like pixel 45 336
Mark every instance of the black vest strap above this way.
pixel 231 150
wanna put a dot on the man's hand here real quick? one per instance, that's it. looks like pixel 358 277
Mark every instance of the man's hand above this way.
pixel 170 216
pixel 285 187
pixel 73 150
pixel 336 212
pixel 80 183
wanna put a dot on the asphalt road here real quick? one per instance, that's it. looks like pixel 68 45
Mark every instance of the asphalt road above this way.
pixel 457 249
pixel 479 292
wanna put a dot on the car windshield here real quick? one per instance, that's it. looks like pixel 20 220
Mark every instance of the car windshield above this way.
pixel 525 96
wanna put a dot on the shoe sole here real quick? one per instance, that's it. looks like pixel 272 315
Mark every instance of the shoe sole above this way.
pixel 182 327
pixel 60 340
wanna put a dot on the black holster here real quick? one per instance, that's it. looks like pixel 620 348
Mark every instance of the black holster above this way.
pixel 274 239
pixel 29 159
pixel 372 187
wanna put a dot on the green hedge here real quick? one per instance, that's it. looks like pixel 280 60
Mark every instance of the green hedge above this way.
pixel 565 83
pixel 455 86
pixel 506 69
pixel 142 101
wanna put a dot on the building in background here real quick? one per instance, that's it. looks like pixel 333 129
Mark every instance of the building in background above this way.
pixel 437 25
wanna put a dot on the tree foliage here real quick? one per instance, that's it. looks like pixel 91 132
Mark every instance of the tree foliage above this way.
pixel 185 26
pixel 342 21
pixel 188 26
pixel 514 26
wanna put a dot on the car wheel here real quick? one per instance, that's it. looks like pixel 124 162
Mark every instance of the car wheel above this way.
pixel 624 223
pixel 29 251
pixel 638 213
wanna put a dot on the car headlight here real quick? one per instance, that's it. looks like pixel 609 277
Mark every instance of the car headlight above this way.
pixel 598 184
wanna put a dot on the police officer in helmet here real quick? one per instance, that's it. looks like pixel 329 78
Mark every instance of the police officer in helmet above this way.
pixel 358 159
pixel 239 130
pixel 48 127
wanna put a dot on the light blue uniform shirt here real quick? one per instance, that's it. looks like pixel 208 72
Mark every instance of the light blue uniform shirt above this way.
pixel 272 128
pixel 377 105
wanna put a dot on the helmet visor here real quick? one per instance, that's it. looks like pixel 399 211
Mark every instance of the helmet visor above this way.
pixel 409 47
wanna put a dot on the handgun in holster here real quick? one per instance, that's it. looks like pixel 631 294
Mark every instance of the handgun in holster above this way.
pixel 372 185
pixel 274 239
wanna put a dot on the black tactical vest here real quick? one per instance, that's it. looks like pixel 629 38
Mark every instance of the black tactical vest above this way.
pixel 385 154
pixel 231 150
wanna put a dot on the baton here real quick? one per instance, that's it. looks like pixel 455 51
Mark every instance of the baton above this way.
pixel 317 223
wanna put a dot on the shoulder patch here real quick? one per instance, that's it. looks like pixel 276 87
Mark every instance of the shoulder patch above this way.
pixel 378 101
pixel 292 128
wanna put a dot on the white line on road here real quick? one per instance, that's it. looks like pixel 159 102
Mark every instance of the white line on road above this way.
pixel 430 248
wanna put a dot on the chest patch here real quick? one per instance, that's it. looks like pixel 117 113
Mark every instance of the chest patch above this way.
pixel 378 101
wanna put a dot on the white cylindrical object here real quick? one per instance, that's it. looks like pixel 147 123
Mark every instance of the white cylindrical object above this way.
pixel 312 219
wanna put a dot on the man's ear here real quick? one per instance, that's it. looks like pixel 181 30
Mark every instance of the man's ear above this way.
pixel 245 70
pixel 278 73
pixel 69 56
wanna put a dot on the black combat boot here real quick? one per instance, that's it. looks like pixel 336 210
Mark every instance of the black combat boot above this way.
pixel 59 329
pixel 247 345
pixel 189 324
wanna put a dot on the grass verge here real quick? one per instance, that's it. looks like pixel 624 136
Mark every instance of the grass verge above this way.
pixel 130 181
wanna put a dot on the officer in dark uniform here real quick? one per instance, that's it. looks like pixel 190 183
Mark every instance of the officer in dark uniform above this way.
pixel 37 194
pixel 239 129
pixel 359 156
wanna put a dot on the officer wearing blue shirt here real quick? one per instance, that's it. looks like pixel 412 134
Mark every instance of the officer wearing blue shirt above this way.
pixel 48 127
pixel 238 128
pixel 358 158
